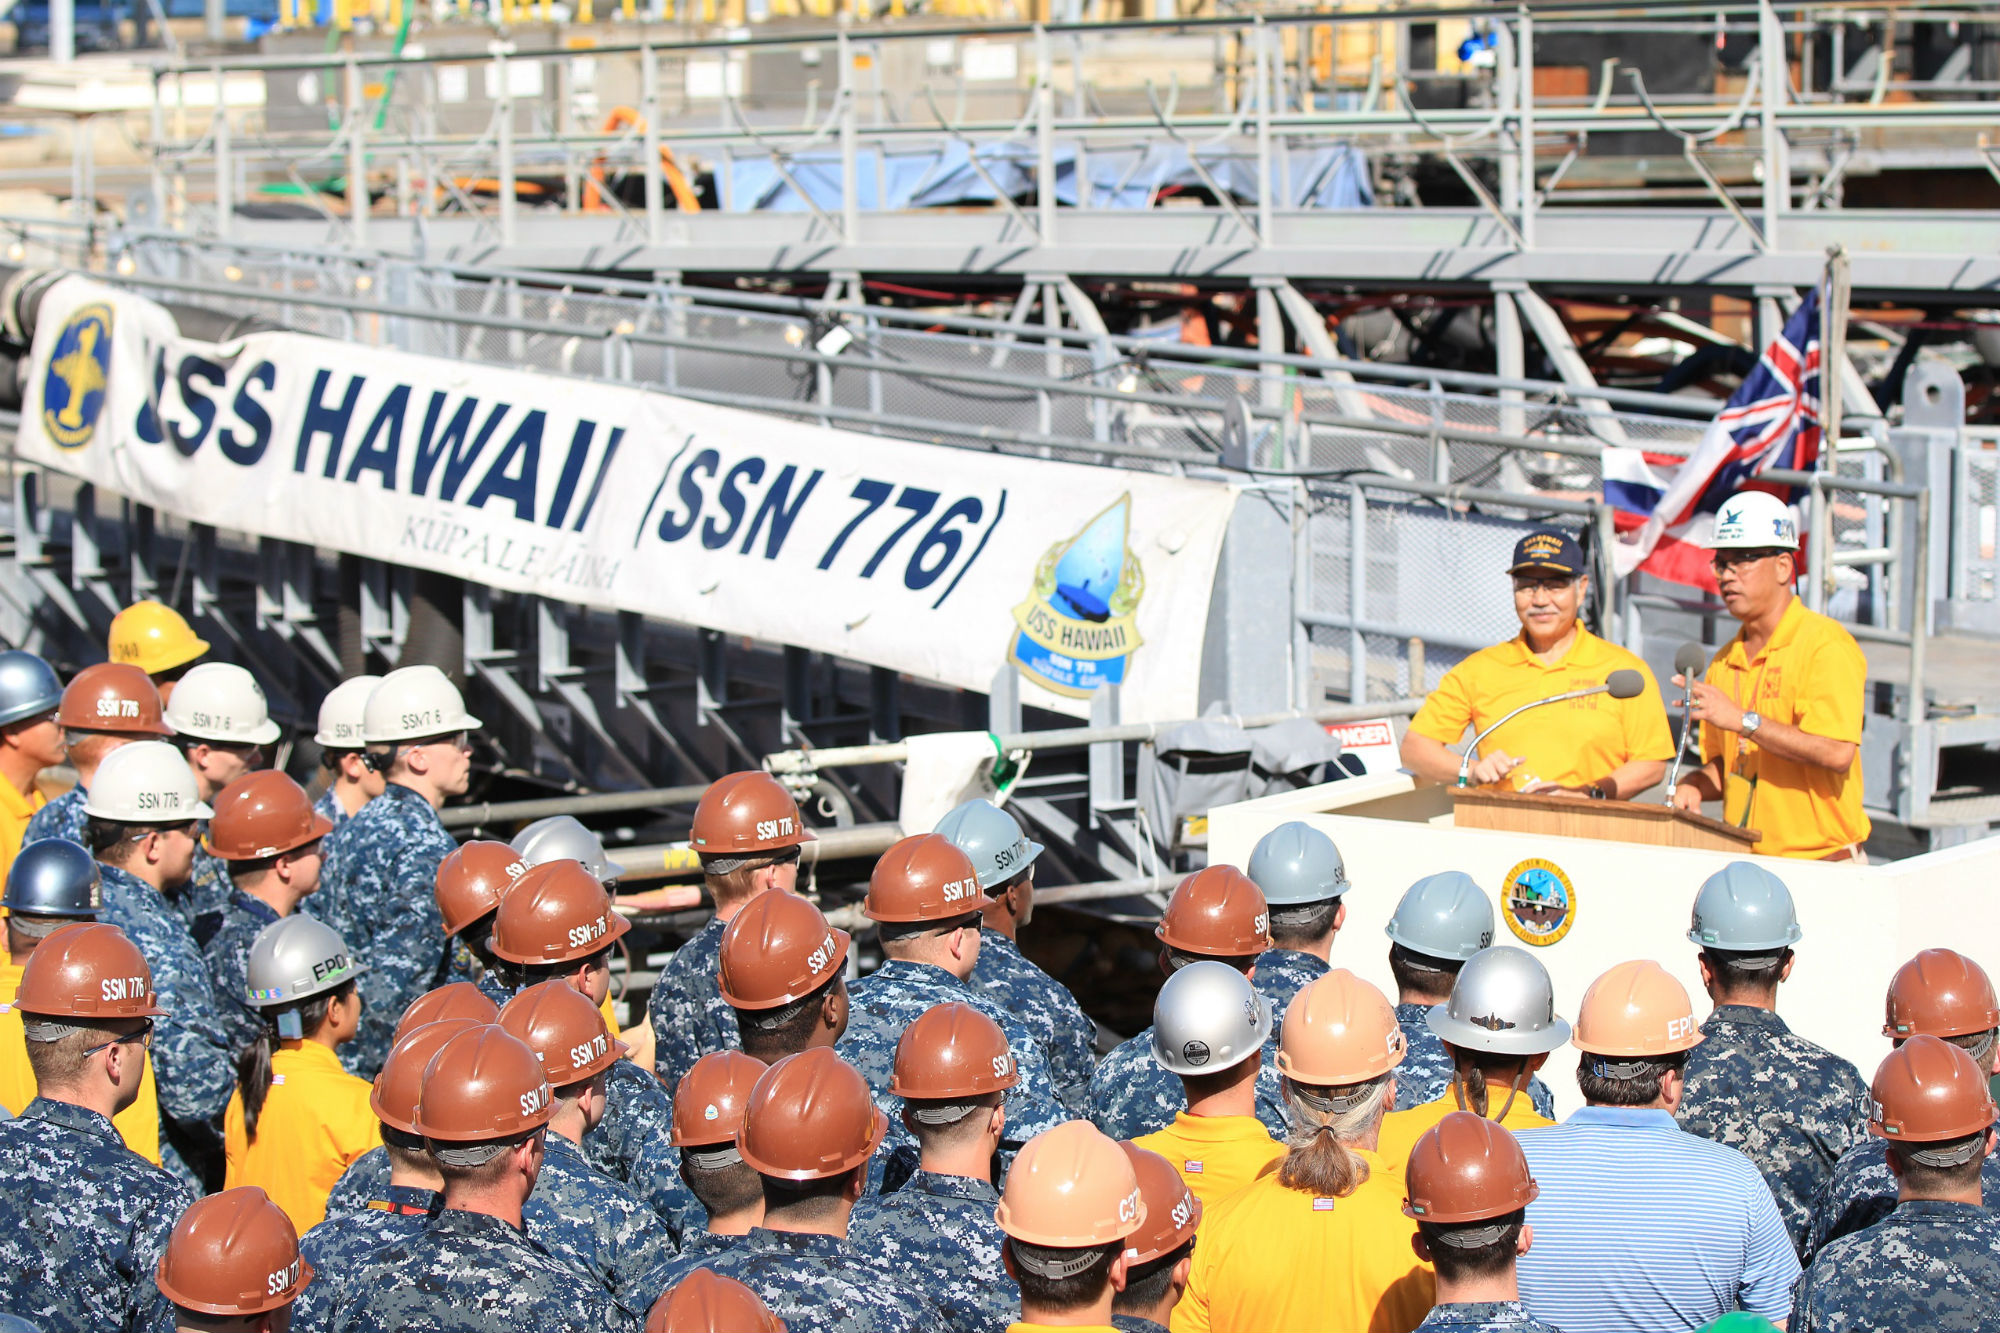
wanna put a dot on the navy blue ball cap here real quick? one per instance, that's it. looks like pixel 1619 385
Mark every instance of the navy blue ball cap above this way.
pixel 1546 551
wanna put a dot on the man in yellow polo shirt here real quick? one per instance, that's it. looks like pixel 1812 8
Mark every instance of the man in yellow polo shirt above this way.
pixel 1600 747
pixel 1781 705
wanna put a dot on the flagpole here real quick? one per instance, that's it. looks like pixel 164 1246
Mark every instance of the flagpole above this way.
pixel 1833 365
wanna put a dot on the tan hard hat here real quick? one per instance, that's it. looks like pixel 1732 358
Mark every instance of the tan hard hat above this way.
pixel 153 637
pixel 400 1085
pixel 1636 1009
pixel 556 912
pixel 1172 1211
pixel 1927 1090
pixel 778 949
pixel 810 1117
pixel 952 1052
pixel 562 1026
pixel 88 970
pixel 1940 993
pixel 745 813
pixel 1339 1031
pixel 471 881
pixel 923 878
pixel 233 1253
pixel 454 999
pixel 263 814
pixel 706 1302
pixel 710 1099
pixel 1071 1187
pixel 1217 912
pixel 115 697
pixel 483 1084
pixel 1466 1168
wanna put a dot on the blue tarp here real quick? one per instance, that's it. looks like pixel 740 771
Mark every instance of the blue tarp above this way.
pixel 1331 176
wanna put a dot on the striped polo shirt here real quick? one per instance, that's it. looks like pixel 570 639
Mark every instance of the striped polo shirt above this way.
pixel 1641 1228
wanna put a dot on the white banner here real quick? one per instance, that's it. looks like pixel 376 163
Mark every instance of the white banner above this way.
pixel 939 562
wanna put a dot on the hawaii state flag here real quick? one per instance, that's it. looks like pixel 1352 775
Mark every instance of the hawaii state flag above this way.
pixel 1665 505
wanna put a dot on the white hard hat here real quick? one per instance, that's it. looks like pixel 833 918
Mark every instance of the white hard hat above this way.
pixel 1754 520
pixel 414 702
pixel 219 701
pixel 340 713
pixel 146 782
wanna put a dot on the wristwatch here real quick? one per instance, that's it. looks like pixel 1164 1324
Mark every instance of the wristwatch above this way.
pixel 1595 791
pixel 1752 721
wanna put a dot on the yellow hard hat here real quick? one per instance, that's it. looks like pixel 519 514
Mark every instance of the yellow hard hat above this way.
pixel 154 638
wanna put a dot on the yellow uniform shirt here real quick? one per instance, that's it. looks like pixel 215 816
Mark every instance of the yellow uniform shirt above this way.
pixel 610 1018
pixel 315 1122
pixel 1569 744
pixel 16 809
pixel 1277 1260
pixel 1216 1155
pixel 1019 1327
pixel 1812 676
pixel 1402 1129
pixel 138 1124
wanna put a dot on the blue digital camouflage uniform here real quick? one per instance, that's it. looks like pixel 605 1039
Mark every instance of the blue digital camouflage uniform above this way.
pixel 1045 1008
pixel 1791 1107
pixel 227 955
pixel 823 1284
pixel 883 1004
pixel 686 1009
pixel 329 807
pixel 698 1247
pixel 1484 1317
pixel 939 1232
pixel 1425 1074
pixel 363 1182
pixel 83 1220
pixel 470 1273
pixel 1132 1094
pixel 596 1223
pixel 61 818
pixel 378 892
pixel 205 899
pixel 1929 1265
pixel 1862 1190
pixel 194 1066
pixel 1131 1323
pixel 336 1247
pixel 1281 975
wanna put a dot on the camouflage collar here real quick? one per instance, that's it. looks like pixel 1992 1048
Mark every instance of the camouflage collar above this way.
pixel 70 1116
pixel 1938 1212
pixel 408 1201
pixel 252 906
pixel 1478 1315
pixel 911 972
pixel 798 1243
pixel 953 1187
pixel 460 1221
pixel 1746 1015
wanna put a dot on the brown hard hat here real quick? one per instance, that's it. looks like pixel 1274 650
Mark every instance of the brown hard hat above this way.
pixel 706 1302
pixel 776 950
pixel 923 878
pixel 556 912
pixel 1636 1009
pixel 1172 1211
pixel 744 813
pixel 113 696
pixel 1216 912
pixel 1941 994
pixel 810 1117
pixel 483 1084
pixel 1339 1031
pixel 400 1085
pixel 562 1026
pixel 472 879
pixel 1070 1188
pixel 233 1253
pixel 1928 1089
pixel 455 999
pixel 87 970
pixel 711 1096
pixel 1466 1168
pixel 952 1051
pixel 263 814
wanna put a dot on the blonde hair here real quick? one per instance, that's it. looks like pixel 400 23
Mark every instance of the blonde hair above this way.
pixel 1324 1123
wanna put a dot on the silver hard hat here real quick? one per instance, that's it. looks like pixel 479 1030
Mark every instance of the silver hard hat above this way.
pixel 1744 908
pixel 1208 1018
pixel 1502 1003
pixel 54 877
pixel 1445 915
pixel 28 686
pixel 1295 864
pixel 991 839
pixel 296 958
pixel 562 838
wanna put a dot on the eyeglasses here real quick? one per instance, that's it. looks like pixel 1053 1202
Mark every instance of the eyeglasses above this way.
pixel 1523 584
pixel 143 1034
pixel 1723 560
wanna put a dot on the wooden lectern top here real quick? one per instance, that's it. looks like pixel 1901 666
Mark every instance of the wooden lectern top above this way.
pixel 1610 821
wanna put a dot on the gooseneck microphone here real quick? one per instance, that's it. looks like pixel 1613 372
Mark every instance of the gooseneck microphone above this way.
pixel 1689 659
pixel 1624 683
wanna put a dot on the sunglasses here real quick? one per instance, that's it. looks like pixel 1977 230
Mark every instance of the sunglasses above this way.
pixel 143 1034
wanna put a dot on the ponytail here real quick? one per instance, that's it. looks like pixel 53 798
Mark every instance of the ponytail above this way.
pixel 253 1067
pixel 1324 1121
pixel 1470 1081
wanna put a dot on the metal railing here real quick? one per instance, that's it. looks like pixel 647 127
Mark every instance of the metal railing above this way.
pixel 1975 553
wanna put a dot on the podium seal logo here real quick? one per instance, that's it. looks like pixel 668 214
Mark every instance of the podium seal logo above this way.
pixel 1540 902
pixel 79 373
pixel 1076 631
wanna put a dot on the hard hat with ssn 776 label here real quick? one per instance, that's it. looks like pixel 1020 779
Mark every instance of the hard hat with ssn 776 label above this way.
pixel 565 1029
pixel 221 702
pixel 414 703
pixel 923 878
pixel 399 1086
pixel 472 879
pixel 991 839
pixel 113 697
pixel 340 713
pixel 146 782
pixel 810 1117
pixel 745 813
pixel 1295 864
pixel 555 913
pixel 483 1085
pixel 233 1254
pixel 775 951
pixel 1217 912
pixel 952 1052
pixel 88 970
pixel 1173 1214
